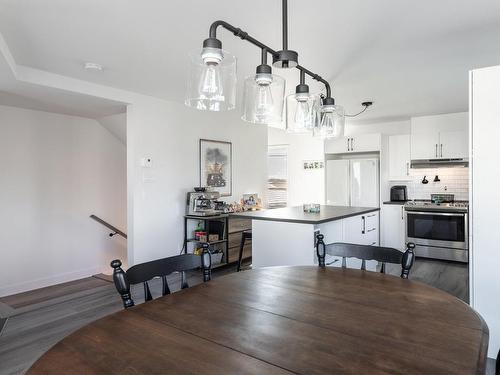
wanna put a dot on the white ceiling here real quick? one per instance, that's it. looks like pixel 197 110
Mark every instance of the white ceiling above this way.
pixel 410 58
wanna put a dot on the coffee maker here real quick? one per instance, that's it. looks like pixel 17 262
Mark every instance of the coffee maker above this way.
pixel 202 202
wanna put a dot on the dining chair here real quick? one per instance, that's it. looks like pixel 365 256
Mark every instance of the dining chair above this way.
pixel 366 252
pixel 144 272
pixel 245 235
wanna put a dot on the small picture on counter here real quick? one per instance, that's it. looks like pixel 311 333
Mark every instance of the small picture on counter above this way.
pixel 313 164
pixel 250 199
pixel 216 166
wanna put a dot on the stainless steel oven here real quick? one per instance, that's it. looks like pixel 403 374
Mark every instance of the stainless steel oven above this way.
pixel 438 234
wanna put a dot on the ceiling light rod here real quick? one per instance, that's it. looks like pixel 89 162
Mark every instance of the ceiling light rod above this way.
pixel 285 58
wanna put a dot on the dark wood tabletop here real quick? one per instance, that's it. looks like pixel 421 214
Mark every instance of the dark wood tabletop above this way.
pixel 279 320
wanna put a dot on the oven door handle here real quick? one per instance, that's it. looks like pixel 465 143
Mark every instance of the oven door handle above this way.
pixel 436 213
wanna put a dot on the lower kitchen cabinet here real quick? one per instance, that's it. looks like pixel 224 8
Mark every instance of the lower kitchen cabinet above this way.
pixel 362 230
pixel 393 226
pixel 236 228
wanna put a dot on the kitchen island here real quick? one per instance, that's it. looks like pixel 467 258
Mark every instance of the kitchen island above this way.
pixel 286 236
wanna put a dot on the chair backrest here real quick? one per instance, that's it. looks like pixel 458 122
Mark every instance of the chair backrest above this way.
pixel 142 273
pixel 366 252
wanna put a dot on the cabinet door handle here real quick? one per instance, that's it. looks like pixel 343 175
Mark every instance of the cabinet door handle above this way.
pixel 402 212
pixel 363 231
pixel 441 150
pixel 348 139
pixel 436 150
pixel 352 144
pixel 407 168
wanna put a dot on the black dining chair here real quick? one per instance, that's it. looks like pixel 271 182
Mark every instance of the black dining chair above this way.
pixel 144 272
pixel 246 235
pixel 366 252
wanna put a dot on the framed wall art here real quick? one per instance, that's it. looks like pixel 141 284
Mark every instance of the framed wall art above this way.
pixel 216 166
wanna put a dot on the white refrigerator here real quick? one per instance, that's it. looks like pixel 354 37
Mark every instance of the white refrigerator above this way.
pixel 352 182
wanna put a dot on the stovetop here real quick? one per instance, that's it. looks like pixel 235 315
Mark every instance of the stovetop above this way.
pixel 438 202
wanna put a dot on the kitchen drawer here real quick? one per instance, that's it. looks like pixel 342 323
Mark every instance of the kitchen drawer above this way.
pixel 235 239
pixel 234 252
pixel 239 225
pixel 371 221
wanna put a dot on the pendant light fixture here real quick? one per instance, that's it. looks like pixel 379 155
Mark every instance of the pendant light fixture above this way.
pixel 212 86
pixel 212 78
pixel 263 95
pixel 300 109
pixel 332 120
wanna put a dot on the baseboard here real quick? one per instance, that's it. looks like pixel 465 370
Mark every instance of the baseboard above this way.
pixel 47 281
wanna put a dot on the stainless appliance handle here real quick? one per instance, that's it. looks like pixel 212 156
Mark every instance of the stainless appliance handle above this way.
pixel 436 152
pixel 441 150
pixel 436 213
pixel 363 231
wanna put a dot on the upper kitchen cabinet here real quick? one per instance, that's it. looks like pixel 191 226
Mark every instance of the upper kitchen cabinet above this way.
pixel 358 143
pixel 440 137
pixel 399 157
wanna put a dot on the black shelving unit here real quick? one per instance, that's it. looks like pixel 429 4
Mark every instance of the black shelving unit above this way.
pixel 207 220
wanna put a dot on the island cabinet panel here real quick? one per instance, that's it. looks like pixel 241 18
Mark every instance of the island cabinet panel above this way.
pixel 286 236
pixel 236 228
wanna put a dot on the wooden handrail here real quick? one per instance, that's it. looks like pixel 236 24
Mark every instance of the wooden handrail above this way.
pixel 109 226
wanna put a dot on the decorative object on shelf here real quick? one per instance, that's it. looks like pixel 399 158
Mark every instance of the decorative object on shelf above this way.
pixel 311 208
pixel 436 179
pixel 211 86
pixel 251 202
pixel 313 164
pixel 216 166
pixel 425 180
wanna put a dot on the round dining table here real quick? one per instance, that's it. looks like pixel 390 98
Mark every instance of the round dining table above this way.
pixel 283 320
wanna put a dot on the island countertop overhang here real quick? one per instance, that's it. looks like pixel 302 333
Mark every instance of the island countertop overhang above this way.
pixel 297 215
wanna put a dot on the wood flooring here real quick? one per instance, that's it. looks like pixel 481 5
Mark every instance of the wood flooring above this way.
pixel 46 294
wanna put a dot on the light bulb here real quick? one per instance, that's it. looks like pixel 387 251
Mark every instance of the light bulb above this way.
pixel 211 83
pixel 302 114
pixel 264 103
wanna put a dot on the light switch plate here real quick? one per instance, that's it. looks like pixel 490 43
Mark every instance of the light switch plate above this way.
pixel 146 162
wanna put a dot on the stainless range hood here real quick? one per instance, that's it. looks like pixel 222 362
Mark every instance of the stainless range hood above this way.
pixel 437 163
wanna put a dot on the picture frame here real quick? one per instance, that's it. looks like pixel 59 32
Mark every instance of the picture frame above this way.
pixel 216 163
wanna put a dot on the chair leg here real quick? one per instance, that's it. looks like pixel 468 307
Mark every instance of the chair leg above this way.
pixel 240 255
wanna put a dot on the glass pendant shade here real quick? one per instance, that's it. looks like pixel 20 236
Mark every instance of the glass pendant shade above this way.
pixel 300 113
pixel 332 122
pixel 263 98
pixel 211 80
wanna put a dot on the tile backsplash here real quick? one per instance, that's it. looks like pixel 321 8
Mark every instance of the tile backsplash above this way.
pixel 453 181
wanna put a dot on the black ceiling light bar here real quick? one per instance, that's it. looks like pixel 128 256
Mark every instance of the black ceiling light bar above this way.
pixel 281 59
pixel 212 86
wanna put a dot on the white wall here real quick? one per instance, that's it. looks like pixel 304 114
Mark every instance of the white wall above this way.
pixel 55 171
pixel 169 133
pixel 304 186
pixel 117 125
pixel 454 180
pixel 485 206
pixel 385 128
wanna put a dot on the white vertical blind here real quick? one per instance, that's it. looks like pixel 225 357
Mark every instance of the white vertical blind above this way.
pixel 277 183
